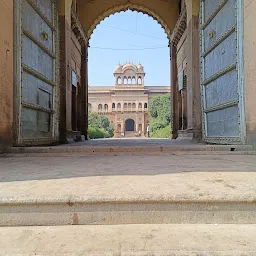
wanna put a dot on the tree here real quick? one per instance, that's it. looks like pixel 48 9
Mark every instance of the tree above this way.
pixel 100 122
pixel 160 111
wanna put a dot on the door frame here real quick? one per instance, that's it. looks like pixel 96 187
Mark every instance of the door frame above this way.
pixel 240 72
pixel 17 71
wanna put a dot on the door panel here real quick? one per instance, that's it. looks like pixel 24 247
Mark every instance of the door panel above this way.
pixel 35 24
pixel 37 87
pixel 221 71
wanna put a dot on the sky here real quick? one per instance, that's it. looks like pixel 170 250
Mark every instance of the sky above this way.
pixel 129 37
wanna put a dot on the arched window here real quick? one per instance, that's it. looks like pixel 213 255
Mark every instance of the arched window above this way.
pixel 125 80
pixel 129 105
pixel 106 107
pixel 133 105
pixel 100 107
pixel 113 105
pixel 139 80
pixel 119 80
pixel 145 105
pixel 133 80
pixel 89 106
pixel 125 106
pixel 119 106
pixel 140 105
pixel 129 80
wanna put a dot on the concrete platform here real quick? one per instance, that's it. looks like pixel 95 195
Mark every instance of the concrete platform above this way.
pixel 130 240
pixel 128 190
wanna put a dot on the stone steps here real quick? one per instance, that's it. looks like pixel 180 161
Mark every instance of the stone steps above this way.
pixel 131 150
pixel 175 206
pixel 141 210
pixel 130 240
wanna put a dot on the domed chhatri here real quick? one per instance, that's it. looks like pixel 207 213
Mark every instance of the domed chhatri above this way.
pixel 140 68
pixel 118 68
pixel 129 74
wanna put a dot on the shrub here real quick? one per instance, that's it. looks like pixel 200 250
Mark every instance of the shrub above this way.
pixel 95 133
pixel 162 133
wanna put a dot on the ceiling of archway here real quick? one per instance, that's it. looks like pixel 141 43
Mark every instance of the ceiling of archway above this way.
pixel 92 12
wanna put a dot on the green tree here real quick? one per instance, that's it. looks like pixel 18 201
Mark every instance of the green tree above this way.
pixel 160 111
pixel 160 114
pixel 98 122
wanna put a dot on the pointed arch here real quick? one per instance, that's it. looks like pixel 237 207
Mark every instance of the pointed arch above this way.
pixel 126 7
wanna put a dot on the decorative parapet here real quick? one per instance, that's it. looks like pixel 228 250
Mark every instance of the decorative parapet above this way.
pixel 78 29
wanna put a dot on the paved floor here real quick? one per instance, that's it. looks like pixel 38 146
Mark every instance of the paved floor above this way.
pixel 203 177
pixel 130 240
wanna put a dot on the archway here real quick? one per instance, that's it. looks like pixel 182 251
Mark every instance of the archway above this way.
pixel 129 125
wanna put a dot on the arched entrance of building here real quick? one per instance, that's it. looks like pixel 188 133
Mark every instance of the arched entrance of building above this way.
pixel 219 109
pixel 129 125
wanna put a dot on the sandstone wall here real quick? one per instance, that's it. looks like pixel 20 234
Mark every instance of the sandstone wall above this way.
pixel 6 72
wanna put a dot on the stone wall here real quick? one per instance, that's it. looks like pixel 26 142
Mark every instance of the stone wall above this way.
pixel 250 68
pixel 6 72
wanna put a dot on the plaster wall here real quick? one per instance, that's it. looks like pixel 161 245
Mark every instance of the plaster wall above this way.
pixel 6 72
pixel 250 68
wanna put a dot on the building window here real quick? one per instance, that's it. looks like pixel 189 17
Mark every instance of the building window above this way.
pixel 74 80
pixel 119 106
pixel 134 106
pixel 125 80
pixel 119 80
pixel 145 105
pixel 100 107
pixel 139 80
pixel 140 105
pixel 106 107
pixel 113 105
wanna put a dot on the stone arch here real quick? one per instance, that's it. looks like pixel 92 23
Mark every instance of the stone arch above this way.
pixel 126 7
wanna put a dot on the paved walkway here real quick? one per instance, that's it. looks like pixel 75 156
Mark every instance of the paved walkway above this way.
pixel 202 177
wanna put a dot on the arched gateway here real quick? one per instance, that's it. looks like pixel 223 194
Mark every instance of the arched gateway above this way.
pixel 129 125
pixel 212 86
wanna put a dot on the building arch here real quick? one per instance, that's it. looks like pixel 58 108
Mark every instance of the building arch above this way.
pixel 100 107
pixel 130 125
pixel 113 106
pixel 139 8
pixel 106 107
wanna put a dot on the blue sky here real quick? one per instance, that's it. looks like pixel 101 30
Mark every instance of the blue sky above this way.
pixel 129 30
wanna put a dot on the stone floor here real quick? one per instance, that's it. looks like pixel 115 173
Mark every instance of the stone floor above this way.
pixel 197 176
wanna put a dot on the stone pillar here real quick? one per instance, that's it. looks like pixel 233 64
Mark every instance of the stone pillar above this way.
pixel 194 118
pixel 65 69
pixel 174 100
pixel 84 92
pixel 248 16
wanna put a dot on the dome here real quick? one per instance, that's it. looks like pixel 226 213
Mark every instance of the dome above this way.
pixel 118 68
pixel 140 68
pixel 130 66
